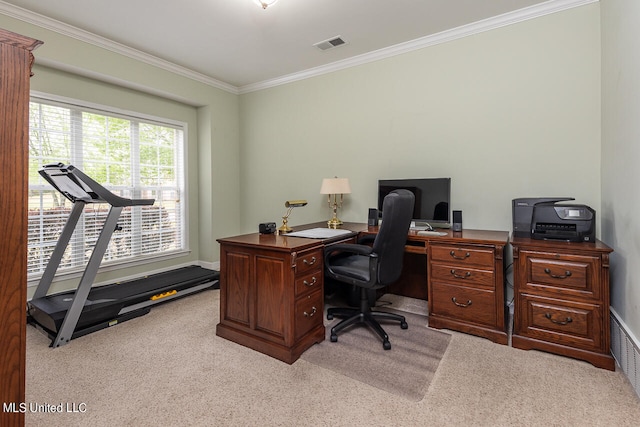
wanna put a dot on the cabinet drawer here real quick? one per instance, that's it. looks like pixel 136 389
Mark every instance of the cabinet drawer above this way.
pixel 464 303
pixel 561 322
pixel 309 260
pixel 562 275
pixel 463 255
pixel 308 282
pixel 308 313
pixel 462 275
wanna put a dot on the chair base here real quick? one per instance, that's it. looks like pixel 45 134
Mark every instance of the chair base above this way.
pixel 366 316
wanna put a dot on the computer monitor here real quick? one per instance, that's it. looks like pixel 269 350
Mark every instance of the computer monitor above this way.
pixel 432 199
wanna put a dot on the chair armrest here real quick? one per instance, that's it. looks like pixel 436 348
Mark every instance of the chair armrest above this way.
pixel 365 239
pixel 351 248
pixel 333 252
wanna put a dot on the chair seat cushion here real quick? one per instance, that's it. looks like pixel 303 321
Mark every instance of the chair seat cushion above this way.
pixel 353 266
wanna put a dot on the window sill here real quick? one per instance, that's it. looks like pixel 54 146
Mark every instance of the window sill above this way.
pixel 32 281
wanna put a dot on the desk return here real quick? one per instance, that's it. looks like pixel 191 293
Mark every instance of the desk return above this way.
pixel 272 291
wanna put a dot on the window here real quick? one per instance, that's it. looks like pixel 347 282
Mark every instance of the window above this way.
pixel 131 156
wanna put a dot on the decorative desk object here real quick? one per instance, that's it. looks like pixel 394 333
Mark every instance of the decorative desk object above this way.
pixel 336 187
pixel 289 204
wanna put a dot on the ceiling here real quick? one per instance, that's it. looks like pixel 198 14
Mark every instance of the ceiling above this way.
pixel 239 44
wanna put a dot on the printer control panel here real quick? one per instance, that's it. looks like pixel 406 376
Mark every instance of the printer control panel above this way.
pixel 573 212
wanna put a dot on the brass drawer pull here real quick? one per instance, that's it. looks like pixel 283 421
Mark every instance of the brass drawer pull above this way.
pixel 453 254
pixel 558 322
pixel 567 273
pixel 459 304
pixel 314 310
pixel 460 276
pixel 313 281
pixel 313 261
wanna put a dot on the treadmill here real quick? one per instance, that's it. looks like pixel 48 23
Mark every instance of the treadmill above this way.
pixel 71 314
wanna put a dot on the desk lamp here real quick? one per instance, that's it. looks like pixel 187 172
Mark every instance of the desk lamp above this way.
pixel 289 204
pixel 336 186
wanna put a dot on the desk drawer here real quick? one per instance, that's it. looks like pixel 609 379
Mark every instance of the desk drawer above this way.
pixel 562 275
pixel 563 322
pixel 308 282
pixel 464 303
pixel 463 255
pixel 308 313
pixel 462 275
pixel 308 260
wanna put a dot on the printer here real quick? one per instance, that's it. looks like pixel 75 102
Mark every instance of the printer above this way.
pixel 543 218
pixel 574 223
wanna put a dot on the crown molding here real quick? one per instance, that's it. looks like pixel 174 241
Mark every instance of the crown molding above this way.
pixel 110 45
pixel 532 12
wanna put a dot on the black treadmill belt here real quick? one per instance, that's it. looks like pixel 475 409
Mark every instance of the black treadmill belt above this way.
pixel 153 284
pixel 105 302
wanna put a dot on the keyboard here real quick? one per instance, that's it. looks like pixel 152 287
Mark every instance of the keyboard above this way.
pixel 431 233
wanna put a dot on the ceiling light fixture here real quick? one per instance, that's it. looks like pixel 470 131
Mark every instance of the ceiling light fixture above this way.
pixel 264 3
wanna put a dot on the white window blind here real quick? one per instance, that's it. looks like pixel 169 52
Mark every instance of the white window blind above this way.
pixel 132 157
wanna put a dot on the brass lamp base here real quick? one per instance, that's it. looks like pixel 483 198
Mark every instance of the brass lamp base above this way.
pixel 334 223
pixel 284 228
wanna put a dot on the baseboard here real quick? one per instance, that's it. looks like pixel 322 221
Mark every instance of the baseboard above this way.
pixel 210 265
pixel 626 350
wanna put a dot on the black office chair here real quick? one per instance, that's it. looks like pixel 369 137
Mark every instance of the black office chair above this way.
pixel 372 267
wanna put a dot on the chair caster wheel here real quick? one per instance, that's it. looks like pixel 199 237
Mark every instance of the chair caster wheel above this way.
pixel 386 345
pixel 334 338
pixel 404 325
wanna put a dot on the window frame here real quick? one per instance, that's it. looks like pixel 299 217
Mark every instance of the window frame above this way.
pixel 183 184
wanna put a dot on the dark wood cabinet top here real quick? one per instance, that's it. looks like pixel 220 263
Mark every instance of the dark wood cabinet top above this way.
pixel 560 245
pixel 288 243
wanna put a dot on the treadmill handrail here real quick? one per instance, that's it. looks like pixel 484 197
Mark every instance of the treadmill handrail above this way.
pixel 90 192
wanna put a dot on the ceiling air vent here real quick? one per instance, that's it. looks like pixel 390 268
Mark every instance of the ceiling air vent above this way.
pixel 330 44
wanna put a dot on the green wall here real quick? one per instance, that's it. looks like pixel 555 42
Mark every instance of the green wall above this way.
pixel 621 154
pixel 512 112
pixel 86 72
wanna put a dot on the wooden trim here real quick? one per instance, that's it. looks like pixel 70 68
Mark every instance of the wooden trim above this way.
pixel 16 60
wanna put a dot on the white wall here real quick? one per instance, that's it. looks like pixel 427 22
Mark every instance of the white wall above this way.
pixel 513 112
pixel 621 153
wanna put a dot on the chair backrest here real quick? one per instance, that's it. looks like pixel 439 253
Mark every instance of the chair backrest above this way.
pixel 397 212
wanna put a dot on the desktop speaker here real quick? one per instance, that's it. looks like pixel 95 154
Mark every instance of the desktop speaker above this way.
pixel 457 221
pixel 267 228
pixel 373 217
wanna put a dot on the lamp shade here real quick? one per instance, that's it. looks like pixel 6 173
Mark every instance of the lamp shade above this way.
pixel 335 186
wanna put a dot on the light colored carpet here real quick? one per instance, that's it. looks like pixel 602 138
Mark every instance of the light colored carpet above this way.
pixel 406 370
pixel 168 368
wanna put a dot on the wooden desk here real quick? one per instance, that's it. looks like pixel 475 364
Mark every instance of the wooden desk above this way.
pixel 461 277
pixel 272 286
pixel 272 290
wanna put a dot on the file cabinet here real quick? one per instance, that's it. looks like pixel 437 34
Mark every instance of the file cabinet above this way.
pixel 561 293
pixel 466 283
